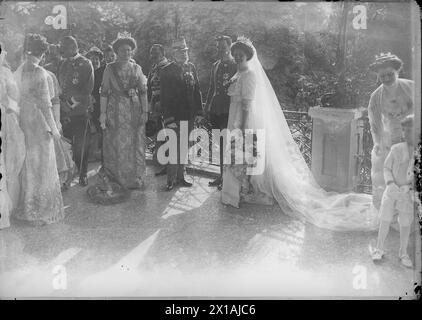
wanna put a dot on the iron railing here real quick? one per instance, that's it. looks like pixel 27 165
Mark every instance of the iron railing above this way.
pixel 301 125
pixel 363 156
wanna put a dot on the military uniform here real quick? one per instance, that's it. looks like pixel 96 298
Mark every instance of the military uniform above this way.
pixel 181 100
pixel 218 100
pixel 154 86
pixel 154 100
pixel 76 78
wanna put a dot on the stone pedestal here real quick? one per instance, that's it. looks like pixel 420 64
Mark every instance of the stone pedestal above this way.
pixel 334 146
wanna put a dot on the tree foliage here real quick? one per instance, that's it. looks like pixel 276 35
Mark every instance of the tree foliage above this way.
pixel 298 43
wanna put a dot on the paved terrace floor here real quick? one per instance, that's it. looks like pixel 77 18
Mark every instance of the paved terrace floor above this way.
pixel 185 243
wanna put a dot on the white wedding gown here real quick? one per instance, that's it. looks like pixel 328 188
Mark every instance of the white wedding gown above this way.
pixel 286 176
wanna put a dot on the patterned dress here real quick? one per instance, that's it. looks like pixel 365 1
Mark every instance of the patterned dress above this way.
pixel 124 136
pixel 41 199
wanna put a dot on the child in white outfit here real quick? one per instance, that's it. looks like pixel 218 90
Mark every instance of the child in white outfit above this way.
pixel 398 196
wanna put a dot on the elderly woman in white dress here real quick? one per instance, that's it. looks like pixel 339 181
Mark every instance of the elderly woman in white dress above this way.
pixel 389 104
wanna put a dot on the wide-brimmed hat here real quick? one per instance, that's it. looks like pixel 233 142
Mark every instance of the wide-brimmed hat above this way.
pixel 384 60
pixel 179 44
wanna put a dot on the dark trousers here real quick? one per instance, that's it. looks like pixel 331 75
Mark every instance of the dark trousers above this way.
pixel 78 130
pixel 176 172
pixel 219 121
pixel 99 133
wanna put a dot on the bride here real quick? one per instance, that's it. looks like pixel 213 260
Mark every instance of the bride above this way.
pixel 286 176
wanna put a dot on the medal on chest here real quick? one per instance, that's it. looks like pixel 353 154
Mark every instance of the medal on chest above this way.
pixel 226 79
pixel 75 78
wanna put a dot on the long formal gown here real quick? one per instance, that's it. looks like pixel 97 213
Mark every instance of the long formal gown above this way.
pixel 41 199
pixel 13 145
pixel 124 136
pixel 237 186
pixel 281 171
pixel 5 201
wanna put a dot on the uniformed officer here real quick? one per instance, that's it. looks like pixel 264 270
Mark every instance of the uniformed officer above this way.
pixel 76 78
pixel 96 56
pixel 181 100
pixel 218 101
pixel 160 62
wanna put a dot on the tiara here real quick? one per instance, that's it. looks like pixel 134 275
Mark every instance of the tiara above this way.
pixel 124 35
pixel 244 40
pixel 383 55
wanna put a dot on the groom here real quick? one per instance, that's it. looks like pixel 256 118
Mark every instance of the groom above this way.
pixel 218 101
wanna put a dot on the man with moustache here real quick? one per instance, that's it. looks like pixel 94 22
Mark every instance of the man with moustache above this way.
pixel 218 101
pixel 181 101
pixel 76 79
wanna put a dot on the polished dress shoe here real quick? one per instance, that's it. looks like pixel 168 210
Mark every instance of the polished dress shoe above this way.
pixel 161 172
pixel 184 183
pixel 215 183
pixel 170 186
pixel 83 181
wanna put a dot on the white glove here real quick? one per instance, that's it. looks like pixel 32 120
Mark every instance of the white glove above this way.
pixel 103 121
pixel 13 105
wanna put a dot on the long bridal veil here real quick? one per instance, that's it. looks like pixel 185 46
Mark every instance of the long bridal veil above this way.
pixel 288 179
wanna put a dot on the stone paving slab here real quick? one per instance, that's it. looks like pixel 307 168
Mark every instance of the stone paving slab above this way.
pixel 185 243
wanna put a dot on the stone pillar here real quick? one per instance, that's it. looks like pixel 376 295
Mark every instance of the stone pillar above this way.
pixel 334 146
